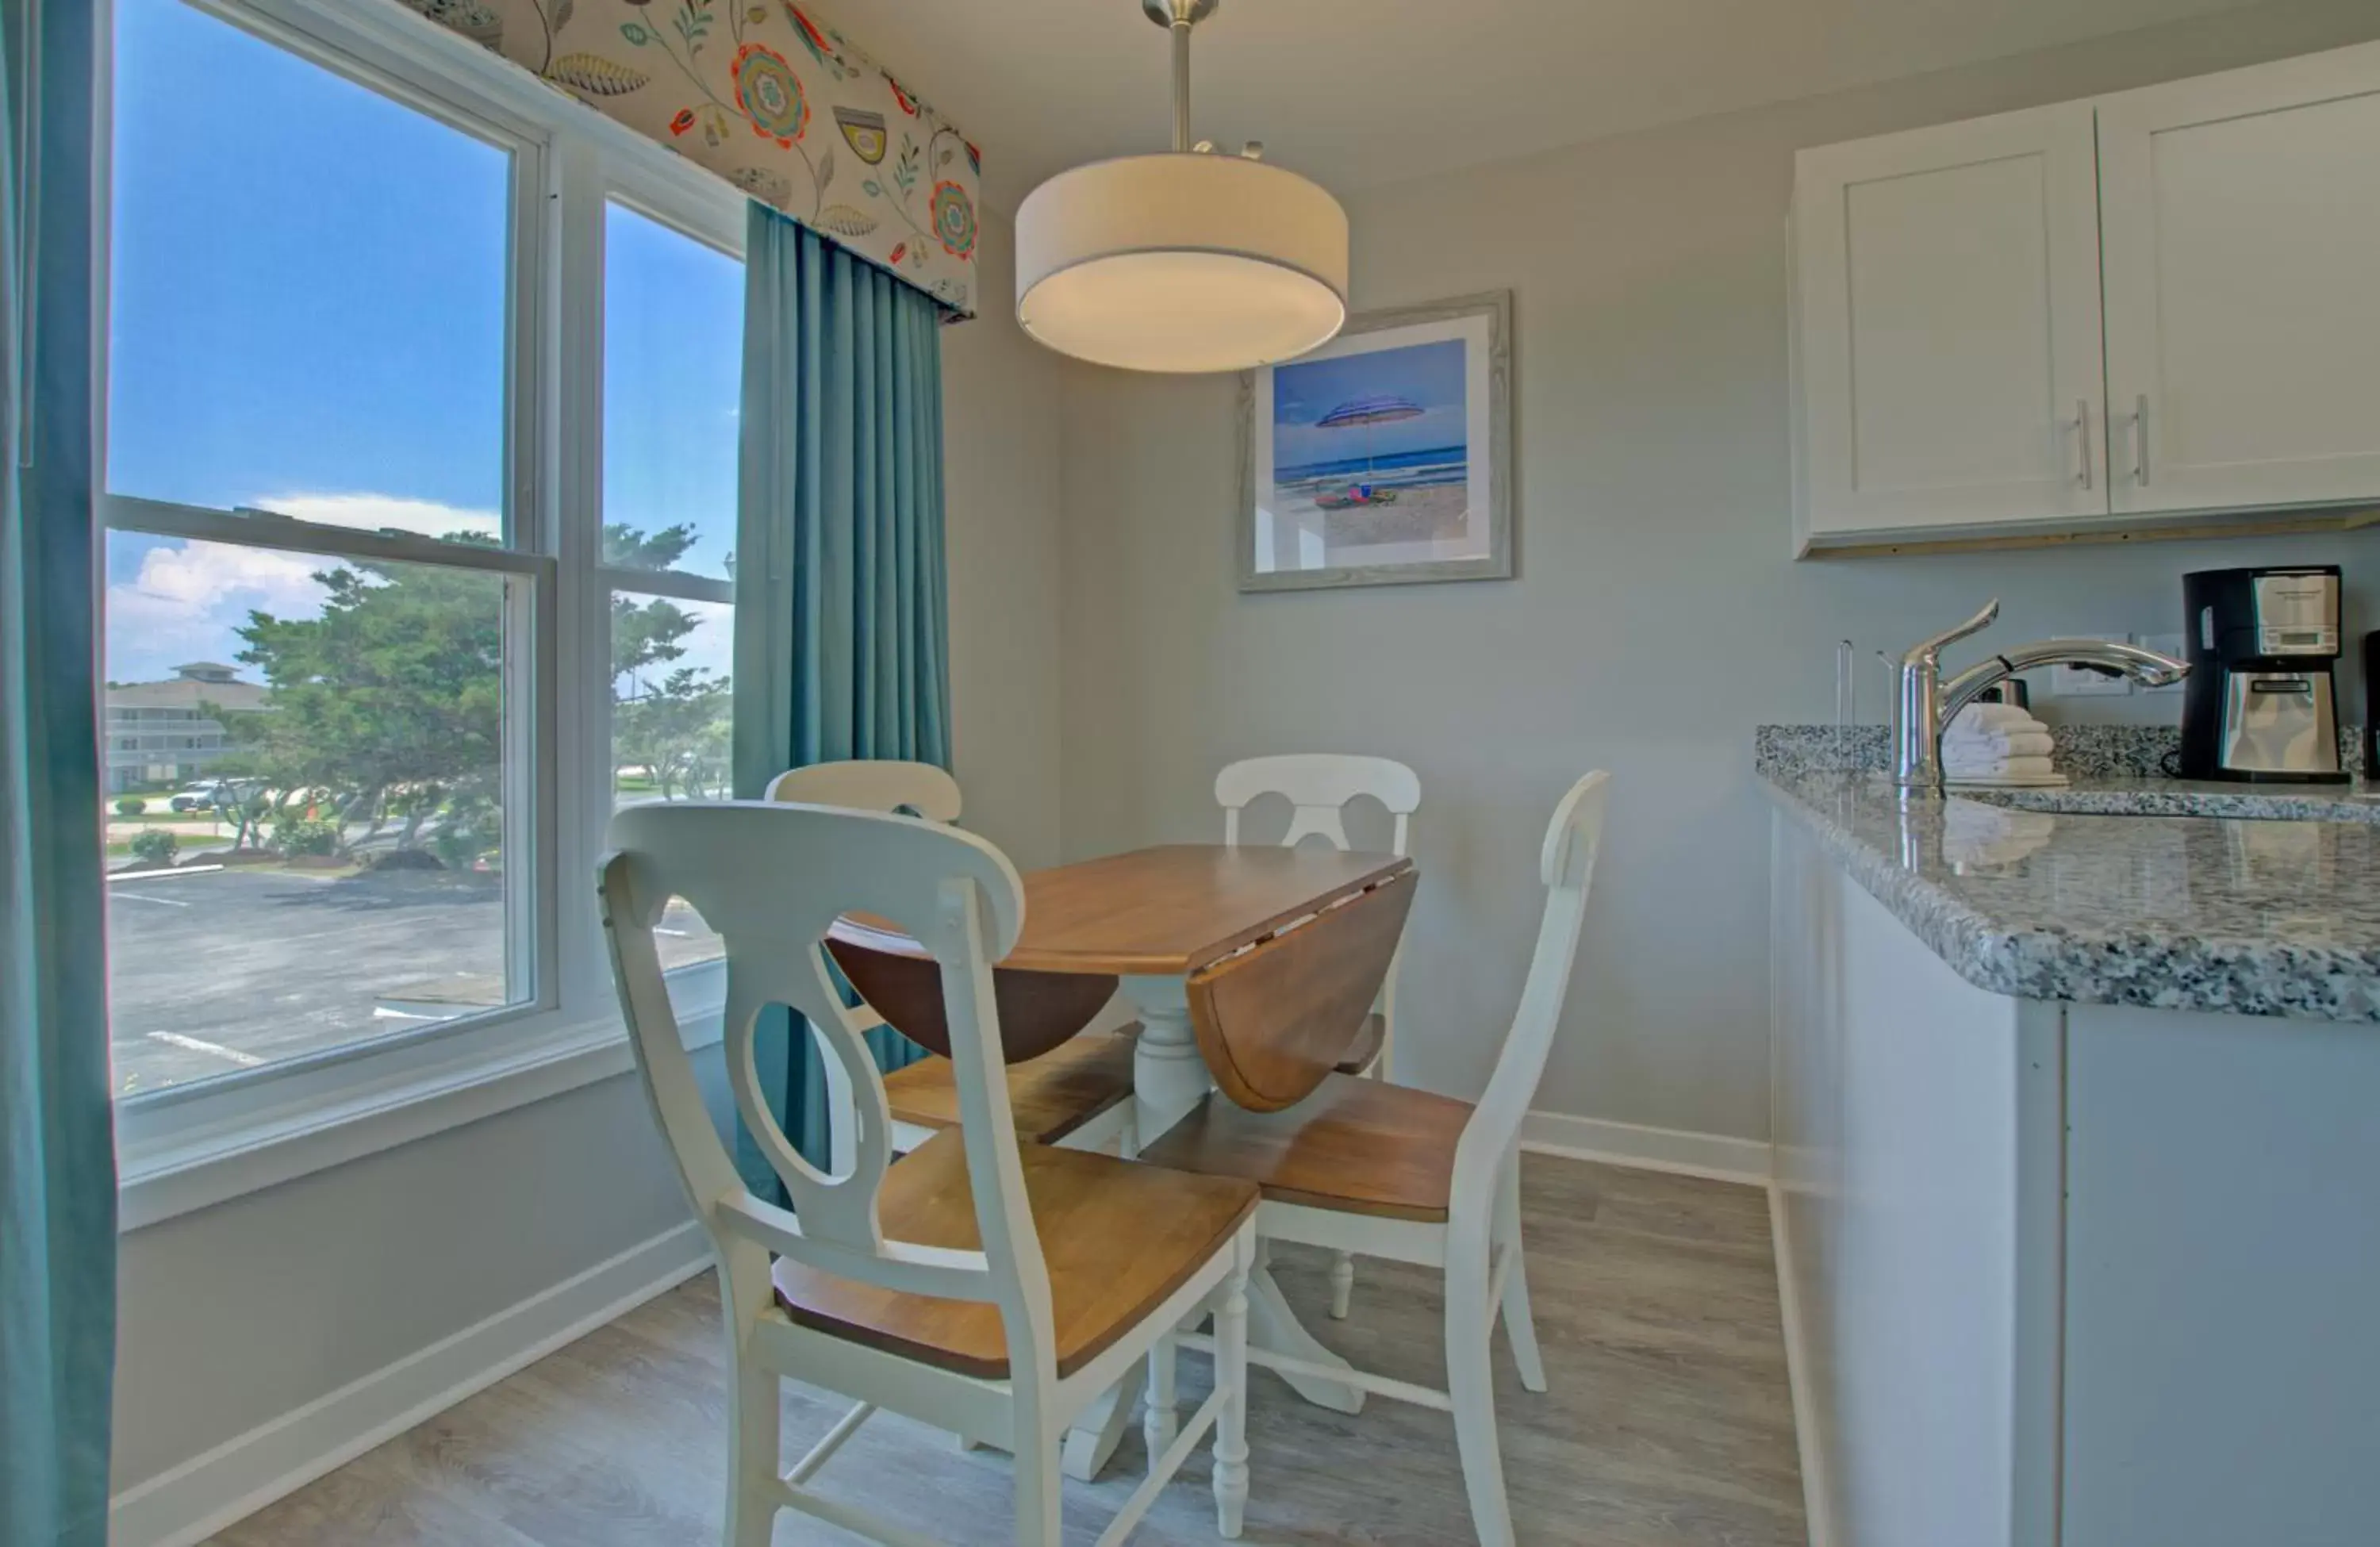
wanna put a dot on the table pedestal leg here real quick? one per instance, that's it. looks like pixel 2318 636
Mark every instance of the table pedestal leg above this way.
pixel 1093 1439
pixel 1169 1077
pixel 1273 1326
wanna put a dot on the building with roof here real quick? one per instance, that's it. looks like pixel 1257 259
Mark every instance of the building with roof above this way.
pixel 167 732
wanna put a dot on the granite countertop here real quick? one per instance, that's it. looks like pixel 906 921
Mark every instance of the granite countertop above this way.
pixel 2273 910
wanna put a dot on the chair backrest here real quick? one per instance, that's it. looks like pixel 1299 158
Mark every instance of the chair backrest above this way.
pixel 771 878
pixel 871 785
pixel 1318 785
pixel 1566 864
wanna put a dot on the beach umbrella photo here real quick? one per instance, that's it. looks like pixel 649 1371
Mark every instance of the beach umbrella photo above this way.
pixel 1374 409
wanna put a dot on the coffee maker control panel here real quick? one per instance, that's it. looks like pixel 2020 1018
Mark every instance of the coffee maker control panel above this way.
pixel 2297 614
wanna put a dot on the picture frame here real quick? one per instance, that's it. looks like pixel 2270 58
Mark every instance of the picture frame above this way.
pixel 1385 457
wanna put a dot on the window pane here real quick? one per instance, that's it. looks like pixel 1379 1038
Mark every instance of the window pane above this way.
pixel 672 381
pixel 670 724
pixel 305 829
pixel 309 288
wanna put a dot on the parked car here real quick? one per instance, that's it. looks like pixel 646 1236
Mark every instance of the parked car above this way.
pixel 206 797
pixel 196 797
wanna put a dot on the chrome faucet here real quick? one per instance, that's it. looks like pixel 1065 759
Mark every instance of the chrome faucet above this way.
pixel 1925 704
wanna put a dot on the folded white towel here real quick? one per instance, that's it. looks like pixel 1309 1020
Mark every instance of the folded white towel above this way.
pixel 1998 744
pixel 1997 768
pixel 1996 716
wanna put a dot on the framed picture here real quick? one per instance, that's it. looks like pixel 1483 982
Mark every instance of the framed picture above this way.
pixel 1384 456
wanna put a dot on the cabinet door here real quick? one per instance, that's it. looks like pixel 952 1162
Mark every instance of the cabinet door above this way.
pixel 1947 326
pixel 2243 255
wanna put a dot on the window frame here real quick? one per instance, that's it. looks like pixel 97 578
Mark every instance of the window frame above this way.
pixel 189 1146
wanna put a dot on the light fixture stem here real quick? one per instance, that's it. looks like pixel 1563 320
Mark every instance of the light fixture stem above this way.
pixel 1181 79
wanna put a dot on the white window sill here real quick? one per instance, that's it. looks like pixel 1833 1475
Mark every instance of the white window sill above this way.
pixel 198 1168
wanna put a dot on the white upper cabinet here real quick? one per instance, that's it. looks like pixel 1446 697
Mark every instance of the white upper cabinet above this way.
pixel 1947 326
pixel 1955 376
pixel 2242 250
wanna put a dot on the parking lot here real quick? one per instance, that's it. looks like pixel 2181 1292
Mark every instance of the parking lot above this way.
pixel 219 970
pixel 212 971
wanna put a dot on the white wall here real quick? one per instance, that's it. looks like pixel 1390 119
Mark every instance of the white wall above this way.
pixel 235 1316
pixel 1657 618
pixel 1002 416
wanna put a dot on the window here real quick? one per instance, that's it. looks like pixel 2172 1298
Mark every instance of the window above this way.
pixel 360 640
pixel 672 376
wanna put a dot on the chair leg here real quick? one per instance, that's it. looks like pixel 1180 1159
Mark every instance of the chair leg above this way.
pixel 1342 1265
pixel 1343 1284
pixel 1039 1506
pixel 1471 1383
pixel 1161 1418
pixel 754 1457
pixel 1232 1367
pixel 1519 1324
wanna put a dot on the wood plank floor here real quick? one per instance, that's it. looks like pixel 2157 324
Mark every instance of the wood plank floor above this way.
pixel 1669 1423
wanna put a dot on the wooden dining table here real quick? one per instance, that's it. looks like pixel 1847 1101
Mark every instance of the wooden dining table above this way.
pixel 1282 950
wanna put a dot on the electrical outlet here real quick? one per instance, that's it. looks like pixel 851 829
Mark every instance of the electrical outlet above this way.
pixel 2175 645
pixel 2074 682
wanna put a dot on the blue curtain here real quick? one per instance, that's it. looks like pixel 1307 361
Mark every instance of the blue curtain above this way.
pixel 57 1145
pixel 842 645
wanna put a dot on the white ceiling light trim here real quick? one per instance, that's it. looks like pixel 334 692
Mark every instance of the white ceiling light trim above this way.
pixel 1186 262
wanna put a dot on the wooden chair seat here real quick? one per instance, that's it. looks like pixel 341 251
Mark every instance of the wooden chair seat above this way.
pixel 1356 1146
pixel 1118 1238
pixel 1082 1078
pixel 1366 1045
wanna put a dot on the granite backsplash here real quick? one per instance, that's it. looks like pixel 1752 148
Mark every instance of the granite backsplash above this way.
pixel 2083 751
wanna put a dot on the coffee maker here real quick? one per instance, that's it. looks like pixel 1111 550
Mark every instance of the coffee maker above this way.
pixel 2260 705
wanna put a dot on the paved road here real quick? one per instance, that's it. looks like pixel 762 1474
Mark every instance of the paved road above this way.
pixel 220 970
pixel 216 971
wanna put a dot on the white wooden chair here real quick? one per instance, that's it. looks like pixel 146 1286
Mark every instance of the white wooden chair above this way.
pixel 1318 786
pixel 1385 1171
pixel 1080 1093
pixel 921 1288
pixel 871 785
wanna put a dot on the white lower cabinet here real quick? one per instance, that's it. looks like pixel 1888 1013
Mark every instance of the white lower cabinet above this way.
pixel 2161 306
pixel 2065 1276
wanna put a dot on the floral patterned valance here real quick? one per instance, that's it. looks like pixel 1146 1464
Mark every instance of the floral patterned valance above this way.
pixel 770 97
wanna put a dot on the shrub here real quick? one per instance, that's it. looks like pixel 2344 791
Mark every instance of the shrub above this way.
pixel 156 846
pixel 296 835
pixel 131 806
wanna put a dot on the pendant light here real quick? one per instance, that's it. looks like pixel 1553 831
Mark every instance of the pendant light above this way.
pixel 1190 260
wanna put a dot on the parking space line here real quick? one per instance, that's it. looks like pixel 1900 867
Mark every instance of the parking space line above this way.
pixel 144 897
pixel 175 1039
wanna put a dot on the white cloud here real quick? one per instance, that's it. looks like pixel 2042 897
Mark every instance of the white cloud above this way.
pixel 188 600
pixel 185 600
pixel 385 513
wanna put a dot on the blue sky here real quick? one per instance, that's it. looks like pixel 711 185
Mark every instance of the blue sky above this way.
pixel 1428 374
pixel 308 314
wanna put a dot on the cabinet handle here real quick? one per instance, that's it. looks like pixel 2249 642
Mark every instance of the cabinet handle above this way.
pixel 2141 441
pixel 2082 430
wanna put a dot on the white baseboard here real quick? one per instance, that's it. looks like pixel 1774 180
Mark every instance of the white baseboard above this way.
pixel 191 1501
pixel 1817 1519
pixel 1689 1155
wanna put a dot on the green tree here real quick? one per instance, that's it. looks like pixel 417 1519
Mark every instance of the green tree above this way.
pixel 678 731
pixel 676 728
pixel 646 634
pixel 396 688
pixel 389 705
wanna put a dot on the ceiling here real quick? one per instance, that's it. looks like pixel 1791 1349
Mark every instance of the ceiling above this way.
pixel 1361 92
